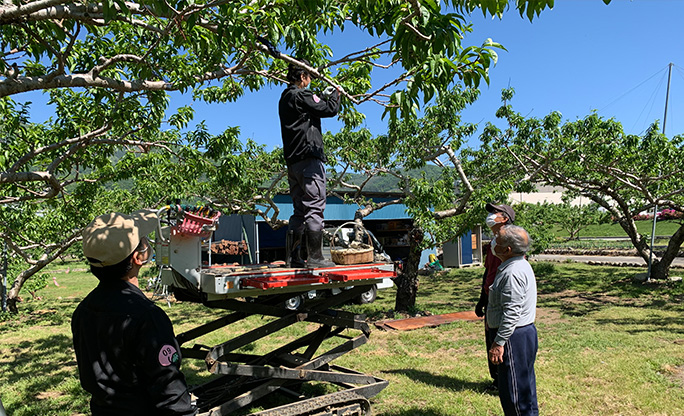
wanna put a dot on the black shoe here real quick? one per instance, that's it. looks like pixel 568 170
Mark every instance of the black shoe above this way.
pixel 314 246
pixel 293 243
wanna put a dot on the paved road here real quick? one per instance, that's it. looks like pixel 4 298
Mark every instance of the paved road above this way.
pixel 678 261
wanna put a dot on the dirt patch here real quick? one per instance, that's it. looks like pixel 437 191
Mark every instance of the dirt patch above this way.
pixel 549 316
pixel 676 373
pixel 575 297
pixel 48 395
pixel 679 374
pixel 42 312
pixel 68 270
pixel 630 252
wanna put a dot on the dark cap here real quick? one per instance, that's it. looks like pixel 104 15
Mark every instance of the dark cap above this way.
pixel 501 208
pixel 294 72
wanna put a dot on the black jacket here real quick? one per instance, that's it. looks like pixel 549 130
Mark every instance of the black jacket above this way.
pixel 128 357
pixel 300 112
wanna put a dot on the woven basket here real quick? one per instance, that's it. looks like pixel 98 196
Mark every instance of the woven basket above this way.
pixel 363 253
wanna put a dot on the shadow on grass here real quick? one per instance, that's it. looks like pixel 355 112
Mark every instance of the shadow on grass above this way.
pixel 444 381
pixel 415 411
pixel 41 367
pixel 454 289
pixel 674 325
pixel 578 289
pixel 39 313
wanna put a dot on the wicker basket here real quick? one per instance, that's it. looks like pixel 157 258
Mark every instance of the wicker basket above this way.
pixel 363 253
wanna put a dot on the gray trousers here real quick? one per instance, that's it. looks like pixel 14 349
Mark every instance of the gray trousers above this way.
pixel 307 189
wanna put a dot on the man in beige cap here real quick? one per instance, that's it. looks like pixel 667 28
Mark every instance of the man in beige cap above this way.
pixel 128 357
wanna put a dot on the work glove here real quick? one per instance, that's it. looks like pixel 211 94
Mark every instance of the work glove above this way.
pixel 328 91
pixel 481 305
pixel 480 308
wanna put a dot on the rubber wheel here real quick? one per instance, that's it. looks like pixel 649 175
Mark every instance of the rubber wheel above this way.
pixel 368 296
pixel 294 303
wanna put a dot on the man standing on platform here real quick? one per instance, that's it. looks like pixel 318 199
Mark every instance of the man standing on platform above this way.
pixel 300 112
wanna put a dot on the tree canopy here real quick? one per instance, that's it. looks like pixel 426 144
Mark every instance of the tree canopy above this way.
pixel 593 157
pixel 108 67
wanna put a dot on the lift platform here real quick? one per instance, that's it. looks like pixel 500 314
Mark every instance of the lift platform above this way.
pixel 242 377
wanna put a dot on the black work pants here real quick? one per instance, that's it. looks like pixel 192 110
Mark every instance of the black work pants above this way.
pixel 307 189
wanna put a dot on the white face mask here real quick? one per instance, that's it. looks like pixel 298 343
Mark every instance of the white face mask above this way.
pixel 491 220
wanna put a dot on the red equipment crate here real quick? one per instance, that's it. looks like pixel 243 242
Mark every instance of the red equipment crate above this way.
pixel 282 281
pixel 195 225
pixel 346 275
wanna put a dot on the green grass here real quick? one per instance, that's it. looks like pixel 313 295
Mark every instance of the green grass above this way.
pixel 600 244
pixel 663 228
pixel 607 347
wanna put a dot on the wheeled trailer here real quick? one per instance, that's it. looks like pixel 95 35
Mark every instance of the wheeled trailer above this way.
pixel 242 377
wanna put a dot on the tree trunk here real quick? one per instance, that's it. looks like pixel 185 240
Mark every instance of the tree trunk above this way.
pixel 13 292
pixel 12 305
pixel 638 241
pixel 660 269
pixel 407 282
pixel 45 260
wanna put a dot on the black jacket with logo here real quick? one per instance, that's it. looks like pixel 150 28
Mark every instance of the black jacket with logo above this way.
pixel 300 112
pixel 128 357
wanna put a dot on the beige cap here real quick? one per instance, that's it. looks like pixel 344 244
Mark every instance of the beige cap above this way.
pixel 110 238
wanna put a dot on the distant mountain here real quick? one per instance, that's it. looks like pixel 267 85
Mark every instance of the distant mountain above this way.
pixel 388 183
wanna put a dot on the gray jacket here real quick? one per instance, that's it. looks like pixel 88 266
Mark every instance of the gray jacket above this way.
pixel 512 298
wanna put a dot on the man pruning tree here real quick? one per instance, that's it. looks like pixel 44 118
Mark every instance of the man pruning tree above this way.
pixel 300 112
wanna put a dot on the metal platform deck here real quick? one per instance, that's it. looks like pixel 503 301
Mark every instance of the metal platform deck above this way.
pixel 229 282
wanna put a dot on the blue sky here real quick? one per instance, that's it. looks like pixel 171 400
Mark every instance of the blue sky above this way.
pixel 578 57
pixel 584 55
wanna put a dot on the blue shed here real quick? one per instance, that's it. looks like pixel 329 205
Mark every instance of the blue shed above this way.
pixel 390 225
pixel 464 251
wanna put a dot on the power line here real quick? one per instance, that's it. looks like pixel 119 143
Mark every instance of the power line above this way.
pixel 652 101
pixel 637 86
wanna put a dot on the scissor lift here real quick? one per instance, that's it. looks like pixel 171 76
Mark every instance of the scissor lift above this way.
pixel 243 291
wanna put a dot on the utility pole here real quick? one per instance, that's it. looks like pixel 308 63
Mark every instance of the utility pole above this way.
pixel 4 279
pixel 655 207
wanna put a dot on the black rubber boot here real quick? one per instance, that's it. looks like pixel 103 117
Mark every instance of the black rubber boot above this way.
pixel 293 242
pixel 314 246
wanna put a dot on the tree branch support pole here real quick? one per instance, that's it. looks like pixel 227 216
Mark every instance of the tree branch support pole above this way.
pixel 655 207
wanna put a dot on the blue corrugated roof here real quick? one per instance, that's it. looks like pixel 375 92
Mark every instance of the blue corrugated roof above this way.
pixel 336 209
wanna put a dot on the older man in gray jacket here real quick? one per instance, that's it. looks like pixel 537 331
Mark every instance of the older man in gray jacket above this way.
pixel 511 311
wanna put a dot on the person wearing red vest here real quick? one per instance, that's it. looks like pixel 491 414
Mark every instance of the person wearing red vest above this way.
pixel 499 215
